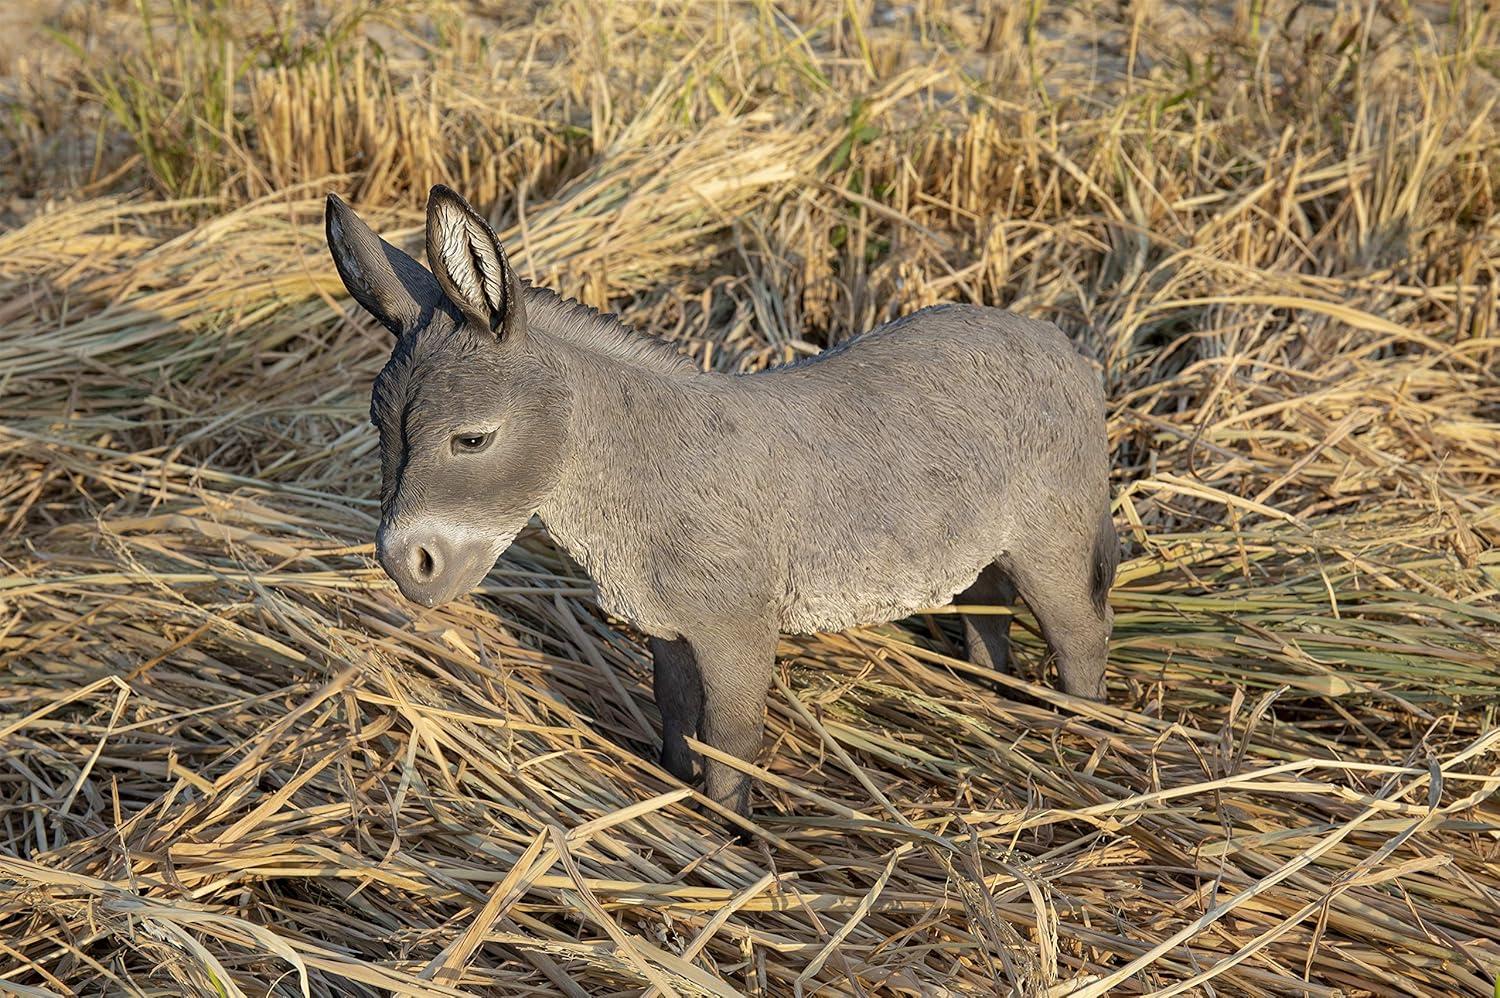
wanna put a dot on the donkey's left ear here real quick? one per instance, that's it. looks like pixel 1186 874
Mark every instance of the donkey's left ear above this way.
pixel 470 264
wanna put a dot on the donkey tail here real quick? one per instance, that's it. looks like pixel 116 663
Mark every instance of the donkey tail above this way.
pixel 1104 561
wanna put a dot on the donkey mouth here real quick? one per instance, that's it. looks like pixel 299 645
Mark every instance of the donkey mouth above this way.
pixel 432 567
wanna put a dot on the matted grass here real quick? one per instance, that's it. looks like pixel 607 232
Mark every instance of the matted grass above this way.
pixel 234 761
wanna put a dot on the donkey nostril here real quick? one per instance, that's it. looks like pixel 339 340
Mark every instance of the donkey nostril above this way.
pixel 426 567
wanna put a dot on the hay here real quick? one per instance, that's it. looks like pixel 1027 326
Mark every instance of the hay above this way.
pixel 234 761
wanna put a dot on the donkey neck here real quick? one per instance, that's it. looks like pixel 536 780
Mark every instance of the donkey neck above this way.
pixel 595 332
pixel 628 423
pixel 626 395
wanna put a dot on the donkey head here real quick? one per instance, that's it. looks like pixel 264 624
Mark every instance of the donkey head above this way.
pixel 472 422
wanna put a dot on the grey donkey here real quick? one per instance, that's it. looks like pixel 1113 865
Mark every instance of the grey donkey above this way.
pixel 959 449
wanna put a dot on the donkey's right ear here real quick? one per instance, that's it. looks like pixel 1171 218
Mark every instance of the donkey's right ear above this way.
pixel 390 285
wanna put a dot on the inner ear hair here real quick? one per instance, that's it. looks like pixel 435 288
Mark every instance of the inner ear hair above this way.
pixel 471 265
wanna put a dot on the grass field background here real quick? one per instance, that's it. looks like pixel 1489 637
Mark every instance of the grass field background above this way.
pixel 234 762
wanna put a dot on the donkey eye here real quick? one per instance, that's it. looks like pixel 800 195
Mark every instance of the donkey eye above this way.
pixel 471 443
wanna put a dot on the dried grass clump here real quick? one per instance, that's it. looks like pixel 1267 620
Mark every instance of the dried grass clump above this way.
pixel 234 761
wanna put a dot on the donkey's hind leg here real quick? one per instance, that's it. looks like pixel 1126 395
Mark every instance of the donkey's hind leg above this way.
pixel 1066 589
pixel 679 697
pixel 988 634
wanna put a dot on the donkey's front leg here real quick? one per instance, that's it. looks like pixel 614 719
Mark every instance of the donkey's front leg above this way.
pixel 735 664
pixel 679 697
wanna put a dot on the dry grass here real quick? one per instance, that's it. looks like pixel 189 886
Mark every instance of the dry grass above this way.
pixel 233 761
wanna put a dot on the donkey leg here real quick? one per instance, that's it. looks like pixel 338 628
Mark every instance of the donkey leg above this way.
pixel 736 666
pixel 1056 587
pixel 988 634
pixel 679 697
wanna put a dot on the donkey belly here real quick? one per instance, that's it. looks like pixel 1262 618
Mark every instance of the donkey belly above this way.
pixel 872 583
pixel 919 509
pixel 812 612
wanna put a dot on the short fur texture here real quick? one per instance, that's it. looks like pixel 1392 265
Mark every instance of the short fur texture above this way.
pixel 959 449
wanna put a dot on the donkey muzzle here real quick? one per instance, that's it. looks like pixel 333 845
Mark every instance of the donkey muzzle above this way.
pixel 431 565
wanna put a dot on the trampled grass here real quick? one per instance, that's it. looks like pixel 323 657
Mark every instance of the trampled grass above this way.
pixel 234 761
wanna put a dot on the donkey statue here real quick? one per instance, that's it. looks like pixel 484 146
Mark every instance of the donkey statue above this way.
pixel 957 450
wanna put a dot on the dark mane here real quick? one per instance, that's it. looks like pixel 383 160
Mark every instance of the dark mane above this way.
pixel 549 313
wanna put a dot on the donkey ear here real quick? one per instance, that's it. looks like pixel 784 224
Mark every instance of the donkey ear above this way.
pixel 471 267
pixel 390 285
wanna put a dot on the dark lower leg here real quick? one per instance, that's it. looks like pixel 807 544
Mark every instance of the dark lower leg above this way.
pixel 679 697
pixel 988 634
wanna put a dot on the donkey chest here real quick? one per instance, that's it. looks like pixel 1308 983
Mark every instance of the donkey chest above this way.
pixel 622 585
